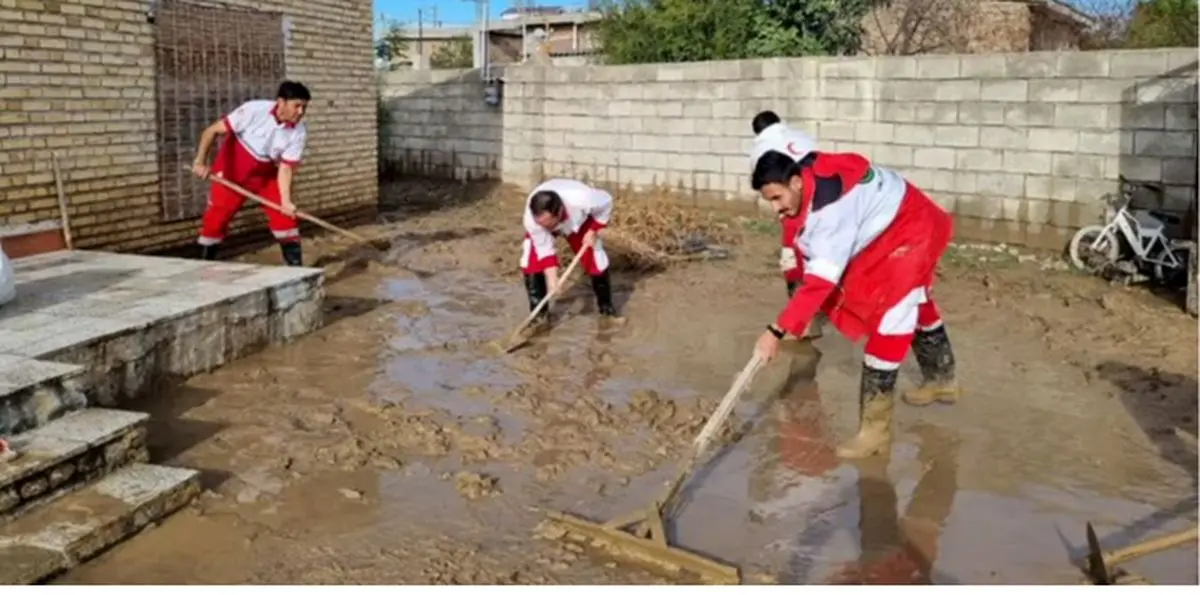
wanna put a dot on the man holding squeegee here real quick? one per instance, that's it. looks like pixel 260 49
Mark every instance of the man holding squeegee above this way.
pixel 871 242
pixel 562 207
pixel 263 144
pixel 791 263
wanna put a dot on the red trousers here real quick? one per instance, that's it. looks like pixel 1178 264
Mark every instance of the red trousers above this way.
pixel 594 262
pixel 224 203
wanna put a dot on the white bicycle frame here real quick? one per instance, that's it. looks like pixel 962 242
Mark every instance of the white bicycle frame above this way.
pixel 1128 227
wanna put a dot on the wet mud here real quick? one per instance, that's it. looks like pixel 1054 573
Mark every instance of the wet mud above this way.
pixel 393 446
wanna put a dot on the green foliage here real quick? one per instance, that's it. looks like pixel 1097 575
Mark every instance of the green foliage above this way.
pixel 641 31
pixel 1163 23
pixel 392 46
pixel 455 53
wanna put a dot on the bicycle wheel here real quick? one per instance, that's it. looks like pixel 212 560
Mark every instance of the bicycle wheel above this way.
pixel 1086 258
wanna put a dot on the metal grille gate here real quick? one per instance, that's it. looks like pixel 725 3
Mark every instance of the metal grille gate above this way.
pixel 208 61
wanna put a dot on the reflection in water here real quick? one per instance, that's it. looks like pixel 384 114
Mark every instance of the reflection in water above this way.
pixel 902 550
pixel 800 469
pixel 797 445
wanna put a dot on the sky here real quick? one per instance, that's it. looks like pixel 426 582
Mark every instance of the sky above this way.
pixel 451 12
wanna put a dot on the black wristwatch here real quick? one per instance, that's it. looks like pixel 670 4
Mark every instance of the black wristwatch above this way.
pixel 778 332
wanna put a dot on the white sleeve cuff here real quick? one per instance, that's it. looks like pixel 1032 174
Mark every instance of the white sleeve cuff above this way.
pixel 825 269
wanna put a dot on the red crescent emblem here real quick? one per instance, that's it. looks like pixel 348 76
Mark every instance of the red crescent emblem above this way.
pixel 792 149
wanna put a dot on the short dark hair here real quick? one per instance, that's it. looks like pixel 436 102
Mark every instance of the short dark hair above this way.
pixel 763 120
pixel 290 90
pixel 545 201
pixel 773 167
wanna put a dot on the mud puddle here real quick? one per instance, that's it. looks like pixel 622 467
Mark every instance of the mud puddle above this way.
pixel 393 447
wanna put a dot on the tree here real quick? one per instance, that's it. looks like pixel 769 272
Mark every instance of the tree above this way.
pixel 458 52
pixel 1163 23
pixel 909 27
pixel 639 31
pixel 392 46
pixel 1133 24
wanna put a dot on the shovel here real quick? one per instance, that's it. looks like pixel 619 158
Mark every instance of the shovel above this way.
pixel 512 342
pixel 378 243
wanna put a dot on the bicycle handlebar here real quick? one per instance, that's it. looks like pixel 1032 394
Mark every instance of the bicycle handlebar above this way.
pixel 1151 186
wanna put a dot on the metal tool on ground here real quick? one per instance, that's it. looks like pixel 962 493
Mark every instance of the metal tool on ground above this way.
pixel 641 537
pixel 1100 566
pixel 62 202
pixel 512 341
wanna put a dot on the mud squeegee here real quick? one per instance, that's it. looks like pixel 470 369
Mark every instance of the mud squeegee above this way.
pixel 640 538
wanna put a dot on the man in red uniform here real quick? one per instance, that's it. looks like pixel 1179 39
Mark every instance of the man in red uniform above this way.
pixel 264 142
pixel 562 207
pixel 765 125
pixel 871 242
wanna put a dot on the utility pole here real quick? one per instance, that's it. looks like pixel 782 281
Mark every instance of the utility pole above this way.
pixel 420 38
pixel 421 29
pixel 482 9
pixel 524 31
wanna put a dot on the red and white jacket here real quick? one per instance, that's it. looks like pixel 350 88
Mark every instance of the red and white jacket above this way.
pixel 587 208
pixel 868 238
pixel 257 144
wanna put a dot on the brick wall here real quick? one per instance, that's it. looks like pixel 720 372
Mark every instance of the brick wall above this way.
pixel 1019 146
pixel 78 77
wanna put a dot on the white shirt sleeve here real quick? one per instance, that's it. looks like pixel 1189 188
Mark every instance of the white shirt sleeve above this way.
pixel 543 241
pixel 294 151
pixel 240 118
pixel 828 240
pixel 601 206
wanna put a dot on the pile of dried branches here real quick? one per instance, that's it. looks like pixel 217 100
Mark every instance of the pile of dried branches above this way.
pixel 651 229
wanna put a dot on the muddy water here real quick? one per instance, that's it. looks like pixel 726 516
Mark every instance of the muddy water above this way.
pixel 393 446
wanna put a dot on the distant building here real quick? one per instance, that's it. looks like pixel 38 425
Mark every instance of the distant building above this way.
pixel 545 34
pixel 515 13
pixel 906 27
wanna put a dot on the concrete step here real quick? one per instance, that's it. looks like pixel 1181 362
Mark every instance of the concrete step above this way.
pixel 54 538
pixel 65 454
pixel 33 392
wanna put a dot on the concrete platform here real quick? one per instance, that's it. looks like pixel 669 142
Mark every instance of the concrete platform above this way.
pixel 126 321
pixel 68 452
pixel 59 536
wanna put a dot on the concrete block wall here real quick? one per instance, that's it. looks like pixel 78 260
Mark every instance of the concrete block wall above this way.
pixel 1019 146
pixel 439 125
pixel 78 77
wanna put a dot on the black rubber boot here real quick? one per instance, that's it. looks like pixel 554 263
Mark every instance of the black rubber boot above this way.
pixel 293 255
pixel 602 287
pixel 876 403
pixel 936 359
pixel 535 288
pixel 209 252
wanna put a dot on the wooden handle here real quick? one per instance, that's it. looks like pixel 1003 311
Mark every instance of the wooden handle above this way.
pixel 62 202
pixel 714 423
pixel 1150 546
pixel 299 214
pixel 562 281
pixel 717 419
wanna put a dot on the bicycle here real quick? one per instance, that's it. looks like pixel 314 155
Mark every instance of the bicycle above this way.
pixel 1132 242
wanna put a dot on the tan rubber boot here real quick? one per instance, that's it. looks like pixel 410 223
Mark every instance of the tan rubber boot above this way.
pixel 936 359
pixel 877 399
